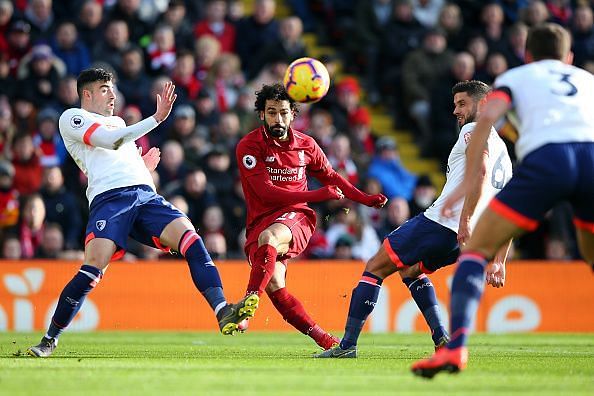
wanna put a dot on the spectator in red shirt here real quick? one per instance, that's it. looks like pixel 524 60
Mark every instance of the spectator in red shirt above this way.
pixel 27 165
pixel 9 197
pixel 47 140
pixel 184 76
pixel 19 43
pixel 31 225
pixel 215 25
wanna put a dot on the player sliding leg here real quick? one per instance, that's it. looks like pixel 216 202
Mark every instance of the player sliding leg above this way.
pixel 207 280
pixel 98 254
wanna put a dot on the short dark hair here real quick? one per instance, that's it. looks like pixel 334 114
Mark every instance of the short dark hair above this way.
pixel 477 90
pixel 274 91
pixel 89 76
pixel 548 41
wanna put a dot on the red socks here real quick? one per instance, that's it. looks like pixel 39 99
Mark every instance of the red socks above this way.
pixel 293 312
pixel 262 269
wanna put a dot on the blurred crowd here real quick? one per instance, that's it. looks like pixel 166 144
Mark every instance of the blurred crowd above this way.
pixel 406 54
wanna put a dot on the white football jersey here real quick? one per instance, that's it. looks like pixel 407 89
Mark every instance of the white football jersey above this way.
pixel 105 169
pixel 499 171
pixel 553 103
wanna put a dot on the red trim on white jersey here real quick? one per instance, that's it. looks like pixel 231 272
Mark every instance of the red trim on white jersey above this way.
pixel 89 132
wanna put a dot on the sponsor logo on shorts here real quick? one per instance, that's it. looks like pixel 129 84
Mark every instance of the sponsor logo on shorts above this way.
pixel 100 224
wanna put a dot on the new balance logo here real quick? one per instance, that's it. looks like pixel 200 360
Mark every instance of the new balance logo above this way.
pixel 367 302
pixel 270 159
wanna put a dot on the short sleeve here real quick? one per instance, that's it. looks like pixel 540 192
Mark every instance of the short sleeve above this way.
pixel 464 136
pixel 76 124
pixel 503 87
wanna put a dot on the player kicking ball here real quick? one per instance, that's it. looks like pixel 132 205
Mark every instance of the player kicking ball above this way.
pixel 553 102
pixel 430 241
pixel 123 203
pixel 274 162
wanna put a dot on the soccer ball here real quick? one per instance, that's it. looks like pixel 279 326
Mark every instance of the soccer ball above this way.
pixel 306 80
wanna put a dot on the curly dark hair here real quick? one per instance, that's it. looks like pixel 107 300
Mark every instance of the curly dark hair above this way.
pixel 274 91
pixel 89 76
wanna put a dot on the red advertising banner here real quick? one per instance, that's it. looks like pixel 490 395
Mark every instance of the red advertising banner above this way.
pixel 539 296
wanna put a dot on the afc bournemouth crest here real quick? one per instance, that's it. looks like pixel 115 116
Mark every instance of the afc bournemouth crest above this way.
pixel 100 224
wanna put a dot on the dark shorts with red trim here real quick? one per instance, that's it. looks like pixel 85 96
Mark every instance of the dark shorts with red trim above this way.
pixel 550 174
pixel 423 241
pixel 136 211
pixel 301 224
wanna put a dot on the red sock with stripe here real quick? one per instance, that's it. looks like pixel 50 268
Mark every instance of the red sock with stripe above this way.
pixel 294 313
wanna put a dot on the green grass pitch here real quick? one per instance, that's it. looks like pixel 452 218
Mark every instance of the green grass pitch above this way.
pixel 171 364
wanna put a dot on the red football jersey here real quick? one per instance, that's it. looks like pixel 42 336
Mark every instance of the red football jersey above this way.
pixel 284 164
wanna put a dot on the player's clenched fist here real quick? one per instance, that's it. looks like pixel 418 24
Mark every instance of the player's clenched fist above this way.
pixel 377 201
pixel 332 192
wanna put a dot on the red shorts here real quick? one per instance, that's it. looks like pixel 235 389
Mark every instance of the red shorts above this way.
pixel 301 224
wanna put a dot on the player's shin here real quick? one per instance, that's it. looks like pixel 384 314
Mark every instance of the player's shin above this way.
pixel 262 269
pixel 204 273
pixel 363 300
pixel 294 313
pixel 467 290
pixel 72 298
pixel 423 292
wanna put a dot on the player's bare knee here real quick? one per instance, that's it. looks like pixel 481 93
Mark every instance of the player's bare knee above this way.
pixel 174 231
pixel 414 271
pixel 99 263
pixel 381 266
pixel 267 237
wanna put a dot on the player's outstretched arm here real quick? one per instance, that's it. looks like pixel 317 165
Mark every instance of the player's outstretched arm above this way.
pixel 331 177
pixel 270 194
pixel 76 125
